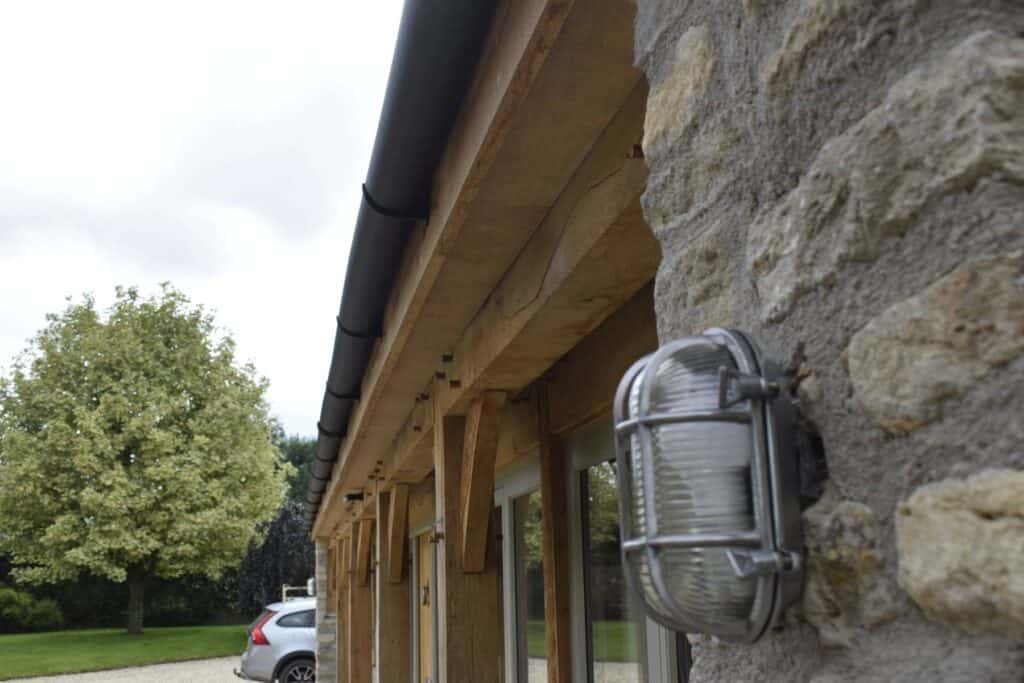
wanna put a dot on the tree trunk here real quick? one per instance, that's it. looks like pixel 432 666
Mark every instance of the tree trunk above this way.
pixel 136 589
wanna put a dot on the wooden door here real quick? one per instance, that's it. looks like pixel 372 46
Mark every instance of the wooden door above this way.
pixel 425 595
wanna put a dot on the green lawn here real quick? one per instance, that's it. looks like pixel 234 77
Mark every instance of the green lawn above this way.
pixel 614 641
pixel 36 654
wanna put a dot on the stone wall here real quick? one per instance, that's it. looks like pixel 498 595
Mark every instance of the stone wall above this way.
pixel 844 179
pixel 326 624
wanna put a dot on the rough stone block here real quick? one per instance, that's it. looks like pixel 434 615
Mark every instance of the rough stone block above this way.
pixel 939 130
pixel 810 29
pixel 906 363
pixel 961 550
pixel 690 180
pixel 326 625
pixel 847 586
pixel 696 284
pixel 670 102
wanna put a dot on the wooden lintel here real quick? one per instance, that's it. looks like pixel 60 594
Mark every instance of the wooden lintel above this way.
pixel 480 446
pixel 410 457
pixel 592 252
pixel 361 573
pixel 553 473
pixel 395 528
pixel 591 255
pixel 581 385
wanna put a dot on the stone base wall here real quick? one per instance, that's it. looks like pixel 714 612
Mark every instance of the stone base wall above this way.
pixel 326 624
pixel 844 179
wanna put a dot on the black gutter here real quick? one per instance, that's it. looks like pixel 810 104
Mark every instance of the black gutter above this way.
pixel 439 44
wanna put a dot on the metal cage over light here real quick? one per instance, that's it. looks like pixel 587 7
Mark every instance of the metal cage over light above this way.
pixel 708 486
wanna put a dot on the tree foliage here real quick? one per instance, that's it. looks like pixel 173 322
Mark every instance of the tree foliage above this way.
pixel 132 444
pixel 297 451
pixel 21 612
pixel 285 556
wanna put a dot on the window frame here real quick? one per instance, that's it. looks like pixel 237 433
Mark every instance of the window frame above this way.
pixel 520 480
pixel 583 448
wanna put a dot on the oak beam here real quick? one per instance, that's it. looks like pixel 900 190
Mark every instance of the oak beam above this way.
pixel 480 446
pixel 469 627
pixel 393 627
pixel 590 255
pixel 556 546
pixel 393 524
pixel 592 252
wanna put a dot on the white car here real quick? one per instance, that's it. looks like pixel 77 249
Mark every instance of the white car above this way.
pixel 282 644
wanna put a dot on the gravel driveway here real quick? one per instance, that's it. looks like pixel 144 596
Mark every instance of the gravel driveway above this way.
pixel 198 671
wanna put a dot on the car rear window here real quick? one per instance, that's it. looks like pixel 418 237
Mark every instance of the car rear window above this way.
pixel 256 621
pixel 298 619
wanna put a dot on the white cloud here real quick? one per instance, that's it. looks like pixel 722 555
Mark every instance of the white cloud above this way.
pixel 218 145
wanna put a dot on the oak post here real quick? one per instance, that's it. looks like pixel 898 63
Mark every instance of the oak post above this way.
pixel 360 623
pixel 469 628
pixel 393 646
pixel 556 544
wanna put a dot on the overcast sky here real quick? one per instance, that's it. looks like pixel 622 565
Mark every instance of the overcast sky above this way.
pixel 219 145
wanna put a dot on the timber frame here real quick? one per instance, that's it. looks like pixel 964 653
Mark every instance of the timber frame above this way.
pixel 517 308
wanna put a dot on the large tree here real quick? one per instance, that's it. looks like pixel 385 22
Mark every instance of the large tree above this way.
pixel 132 444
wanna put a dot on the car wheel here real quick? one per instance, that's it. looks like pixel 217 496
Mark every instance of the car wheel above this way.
pixel 298 671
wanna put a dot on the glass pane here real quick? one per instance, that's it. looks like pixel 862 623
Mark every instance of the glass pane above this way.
pixel 531 635
pixel 614 621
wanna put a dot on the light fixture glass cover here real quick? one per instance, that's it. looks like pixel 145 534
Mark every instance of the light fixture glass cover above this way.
pixel 708 486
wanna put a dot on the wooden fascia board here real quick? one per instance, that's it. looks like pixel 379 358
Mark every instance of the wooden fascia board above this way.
pixel 512 61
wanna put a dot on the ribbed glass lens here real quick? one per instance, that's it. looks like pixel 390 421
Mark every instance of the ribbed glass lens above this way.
pixel 702 484
pixel 641 571
pixel 636 464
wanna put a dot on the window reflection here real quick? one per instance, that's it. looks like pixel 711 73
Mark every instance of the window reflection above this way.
pixel 614 620
pixel 531 634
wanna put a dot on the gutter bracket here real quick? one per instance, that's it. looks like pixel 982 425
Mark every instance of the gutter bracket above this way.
pixel 416 214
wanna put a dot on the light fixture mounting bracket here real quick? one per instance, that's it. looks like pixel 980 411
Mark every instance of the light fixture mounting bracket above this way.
pixel 735 387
